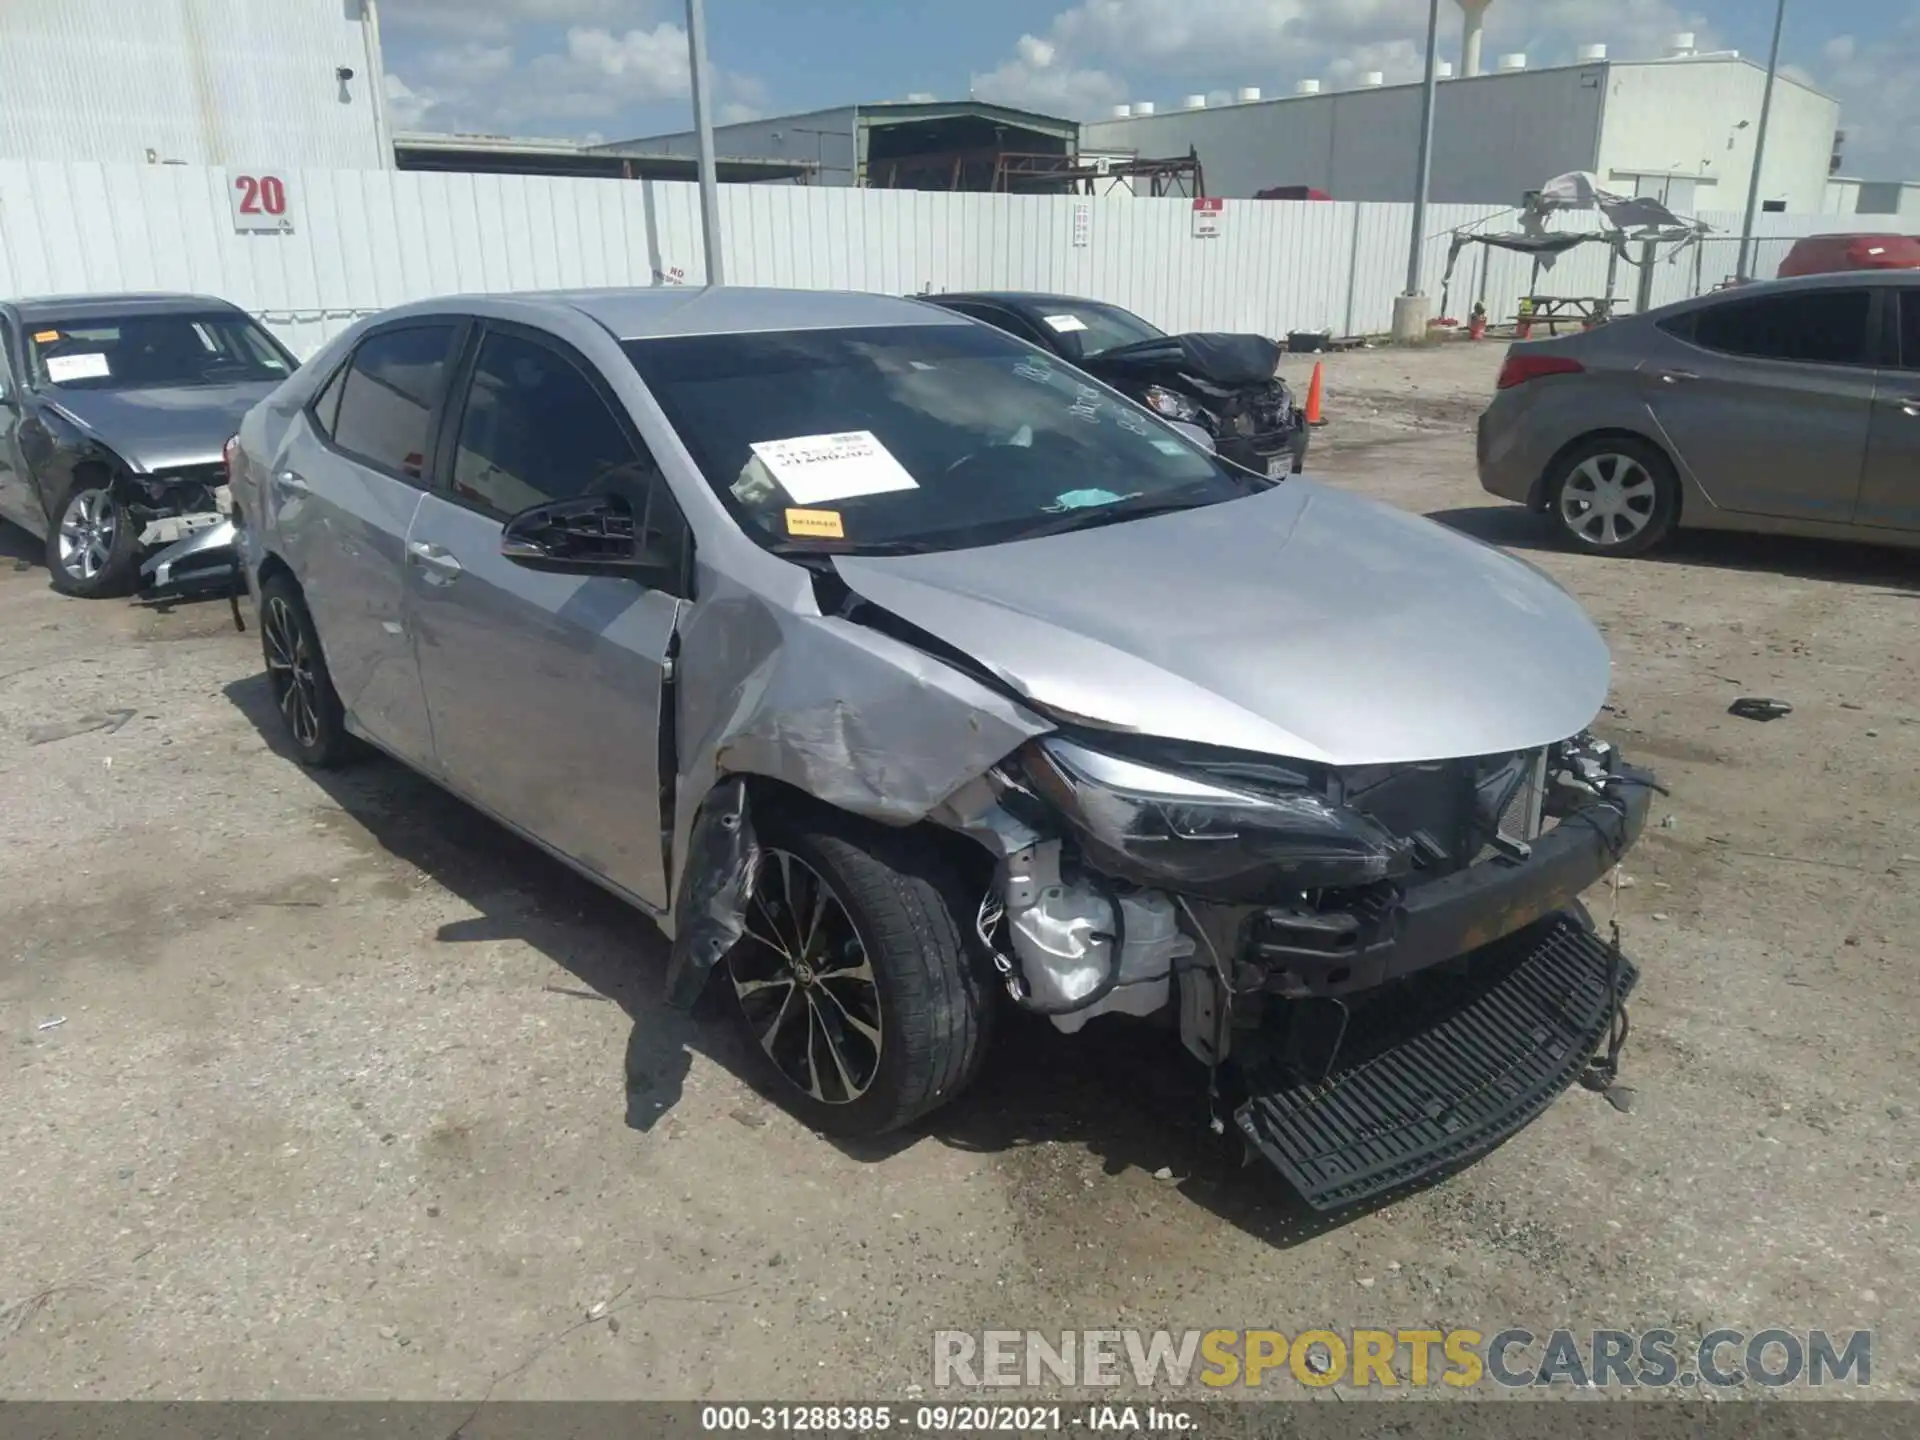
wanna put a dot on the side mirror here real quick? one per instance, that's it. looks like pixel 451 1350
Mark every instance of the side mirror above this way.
pixel 1195 433
pixel 592 535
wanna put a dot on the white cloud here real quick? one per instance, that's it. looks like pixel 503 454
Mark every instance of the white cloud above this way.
pixel 1878 85
pixel 589 77
pixel 408 108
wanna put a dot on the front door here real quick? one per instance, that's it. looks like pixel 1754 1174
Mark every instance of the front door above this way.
pixel 1767 399
pixel 18 501
pixel 344 491
pixel 546 691
pixel 1890 490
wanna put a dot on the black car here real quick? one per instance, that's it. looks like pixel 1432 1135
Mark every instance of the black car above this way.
pixel 1229 385
pixel 114 412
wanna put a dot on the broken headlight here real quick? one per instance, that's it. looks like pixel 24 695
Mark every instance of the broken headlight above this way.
pixel 1175 406
pixel 1162 828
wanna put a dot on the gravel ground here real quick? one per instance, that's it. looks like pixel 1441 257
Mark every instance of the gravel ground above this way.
pixel 354 1095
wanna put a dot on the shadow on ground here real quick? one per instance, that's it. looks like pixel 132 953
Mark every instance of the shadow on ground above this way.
pixel 1124 1092
pixel 19 551
pixel 1518 528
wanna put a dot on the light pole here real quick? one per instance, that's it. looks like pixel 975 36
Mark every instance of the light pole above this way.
pixel 703 128
pixel 1411 311
pixel 1742 269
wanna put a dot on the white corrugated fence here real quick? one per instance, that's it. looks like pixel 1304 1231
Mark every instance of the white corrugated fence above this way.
pixel 364 240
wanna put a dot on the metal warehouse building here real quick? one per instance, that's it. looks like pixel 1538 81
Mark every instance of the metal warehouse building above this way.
pixel 915 144
pixel 1680 128
pixel 198 82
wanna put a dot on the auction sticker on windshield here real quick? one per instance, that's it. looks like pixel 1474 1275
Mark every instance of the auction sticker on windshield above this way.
pixel 820 524
pixel 62 368
pixel 1066 324
pixel 817 468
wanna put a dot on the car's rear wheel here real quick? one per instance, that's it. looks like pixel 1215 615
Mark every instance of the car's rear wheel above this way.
pixel 297 676
pixel 853 984
pixel 1614 496
pixel 92 548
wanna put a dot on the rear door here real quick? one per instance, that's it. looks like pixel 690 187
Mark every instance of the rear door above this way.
pixel 343 495
pixel 547 692
pixel 1767 398
pixel 1890 490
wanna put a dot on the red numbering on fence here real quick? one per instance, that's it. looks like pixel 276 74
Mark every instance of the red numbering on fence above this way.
pixel 261 195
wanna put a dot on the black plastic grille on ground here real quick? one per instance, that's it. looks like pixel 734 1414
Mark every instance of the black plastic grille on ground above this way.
pixel 1449 1092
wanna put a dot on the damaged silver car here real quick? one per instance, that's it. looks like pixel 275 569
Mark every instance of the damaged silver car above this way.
pixel 901 672
pixel 114 414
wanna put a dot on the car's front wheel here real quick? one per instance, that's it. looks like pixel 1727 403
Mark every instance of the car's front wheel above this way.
pixel 1614 496
pixel 853 984
pixel 92 548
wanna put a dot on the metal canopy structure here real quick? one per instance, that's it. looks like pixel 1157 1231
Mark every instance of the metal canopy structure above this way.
pixel 1633 221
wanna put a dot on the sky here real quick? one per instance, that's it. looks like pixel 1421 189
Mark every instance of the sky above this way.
pixel 617 69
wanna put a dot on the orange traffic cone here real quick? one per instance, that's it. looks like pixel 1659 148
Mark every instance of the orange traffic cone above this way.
pixel 1316 394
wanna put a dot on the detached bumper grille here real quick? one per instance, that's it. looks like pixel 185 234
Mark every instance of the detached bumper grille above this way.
pixel 1451 1091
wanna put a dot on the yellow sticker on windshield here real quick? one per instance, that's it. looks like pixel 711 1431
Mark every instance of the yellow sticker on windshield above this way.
pixel 819 524
pixel 45 337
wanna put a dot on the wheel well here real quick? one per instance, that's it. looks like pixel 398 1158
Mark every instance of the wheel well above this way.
pixel 273 565
pixel 1541 499
pixel 968 859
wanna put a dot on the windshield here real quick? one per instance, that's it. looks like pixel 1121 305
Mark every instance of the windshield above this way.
pixel 1085 329
pixel 916 438
pixel 140 352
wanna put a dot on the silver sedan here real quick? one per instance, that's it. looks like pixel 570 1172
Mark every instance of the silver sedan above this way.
pixel 901 672
pixel 1791 406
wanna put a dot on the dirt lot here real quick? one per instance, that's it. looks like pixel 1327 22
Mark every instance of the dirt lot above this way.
pixel 354 1095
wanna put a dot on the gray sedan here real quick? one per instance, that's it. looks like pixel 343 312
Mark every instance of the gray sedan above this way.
pixel 1791 406
pixel 902 673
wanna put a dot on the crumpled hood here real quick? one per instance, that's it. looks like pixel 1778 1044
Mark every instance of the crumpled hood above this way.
pixel 1223 360
pixel 163 428
pixel 1303 622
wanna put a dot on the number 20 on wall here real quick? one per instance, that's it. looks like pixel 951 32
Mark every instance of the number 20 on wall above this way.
pixel 261 194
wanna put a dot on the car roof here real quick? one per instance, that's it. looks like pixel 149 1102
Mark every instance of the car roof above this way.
pixel 1830 280
pixel 670 310
pixel 111 307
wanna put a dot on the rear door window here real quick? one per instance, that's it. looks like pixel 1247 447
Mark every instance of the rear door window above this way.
pixel 388 396
pixel 1817 327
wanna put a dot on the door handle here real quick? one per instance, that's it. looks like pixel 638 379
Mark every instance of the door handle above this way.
pixel 1677 377
pixel 291 480
pixel 1909 404
pixel 442 567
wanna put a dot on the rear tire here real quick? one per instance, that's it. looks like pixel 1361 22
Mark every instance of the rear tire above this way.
pixel 854 987
pixel 303 692
pixel 1614 496
pixel 92 550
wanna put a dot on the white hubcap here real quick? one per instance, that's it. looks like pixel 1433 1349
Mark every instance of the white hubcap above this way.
pixel 86 534
pixel 1608 499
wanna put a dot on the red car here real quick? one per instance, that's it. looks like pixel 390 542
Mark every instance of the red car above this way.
pixel 1823 254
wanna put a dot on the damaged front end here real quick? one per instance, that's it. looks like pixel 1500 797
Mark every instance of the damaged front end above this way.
pixel 1387 955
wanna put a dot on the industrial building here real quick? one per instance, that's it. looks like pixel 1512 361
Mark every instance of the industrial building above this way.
pixel 1680 129
pixel 197 82
pixel 914 144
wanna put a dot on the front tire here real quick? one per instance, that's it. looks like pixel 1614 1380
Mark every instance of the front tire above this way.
pixel 92 548
pixel 853 986
pixel 297 675
pixel 1613 496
